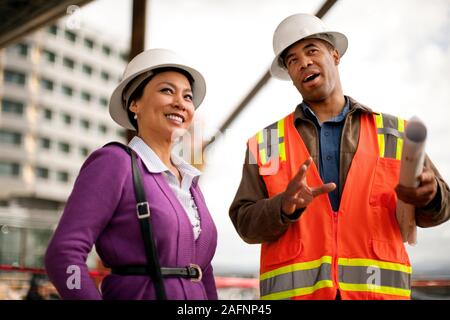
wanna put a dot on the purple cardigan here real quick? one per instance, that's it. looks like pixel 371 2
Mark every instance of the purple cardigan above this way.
pixel 102 210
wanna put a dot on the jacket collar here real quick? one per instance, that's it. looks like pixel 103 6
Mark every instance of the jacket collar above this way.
pixel 355 106
pixel 154 164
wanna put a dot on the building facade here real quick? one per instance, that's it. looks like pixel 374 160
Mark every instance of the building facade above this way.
pixel 54 93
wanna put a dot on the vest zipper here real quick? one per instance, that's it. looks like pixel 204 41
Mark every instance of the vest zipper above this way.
pixel 335 266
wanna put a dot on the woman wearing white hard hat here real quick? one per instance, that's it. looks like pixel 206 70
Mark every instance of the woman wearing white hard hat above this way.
pixel 145 214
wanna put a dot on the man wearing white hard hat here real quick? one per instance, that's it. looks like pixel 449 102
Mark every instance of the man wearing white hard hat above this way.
pixel 140 205
pixel 319 187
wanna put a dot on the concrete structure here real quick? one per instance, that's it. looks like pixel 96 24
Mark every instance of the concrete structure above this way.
pixel 54 93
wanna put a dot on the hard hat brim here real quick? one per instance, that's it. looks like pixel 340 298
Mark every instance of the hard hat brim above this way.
pixel 337 40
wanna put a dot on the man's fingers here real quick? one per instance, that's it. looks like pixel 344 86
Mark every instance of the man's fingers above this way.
pixel 418 197
pixel 301 174
pixel 427 189
pixel 304 196
pixel 426 177
pixel 325 188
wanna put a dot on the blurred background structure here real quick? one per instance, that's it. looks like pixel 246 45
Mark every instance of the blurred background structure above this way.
pixel 55 87
pixel 54 98
pixel 60 60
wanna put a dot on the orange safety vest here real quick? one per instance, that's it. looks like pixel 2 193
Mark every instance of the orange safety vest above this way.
pixel 359 249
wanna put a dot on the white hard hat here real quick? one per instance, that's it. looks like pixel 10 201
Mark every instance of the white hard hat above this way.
pixel 143 63
pixel 295 28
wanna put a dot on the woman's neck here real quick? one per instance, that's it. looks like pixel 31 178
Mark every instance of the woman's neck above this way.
pixel 162 147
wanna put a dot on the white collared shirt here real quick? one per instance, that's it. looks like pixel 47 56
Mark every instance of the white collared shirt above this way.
pixel 182 191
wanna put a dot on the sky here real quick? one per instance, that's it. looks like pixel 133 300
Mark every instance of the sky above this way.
pixel 397 62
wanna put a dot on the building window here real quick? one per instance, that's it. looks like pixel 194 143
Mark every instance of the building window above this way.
pixel 10 238
pixel 124 56
pixel 47 84
pixel 89 43
pixel 48 114
pixel 67 118
pixel 11 169
pixel 85 124
pixel 14 77
pixel 23 246
pixel 45 143
pixel 70 36
pixel 64 147
pixel 103 129
pixel 105 75
pixel 87 69
pixel 49 56
pixel 68 91
pixel 21 49
pixel 10 106
pixel 84 151
pixel 10 137
pixel 42 173
pixel 69 63
pixel 122 133
pixel 104 102
pixel 106 50
pixel 86 96
pixel 53 30
pixel 63 176
pixel 35 242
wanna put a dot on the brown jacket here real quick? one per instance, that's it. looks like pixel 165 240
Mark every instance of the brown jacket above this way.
pixel 258 219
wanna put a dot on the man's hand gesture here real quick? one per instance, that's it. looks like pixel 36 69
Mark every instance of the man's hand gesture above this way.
pixel 298 194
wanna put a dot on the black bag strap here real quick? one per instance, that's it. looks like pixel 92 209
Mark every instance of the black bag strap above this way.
pixel 143 214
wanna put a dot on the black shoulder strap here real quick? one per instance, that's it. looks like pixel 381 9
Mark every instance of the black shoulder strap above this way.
pixel 143 214
pixel 119 144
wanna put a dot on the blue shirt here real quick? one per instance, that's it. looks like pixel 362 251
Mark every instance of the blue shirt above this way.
pixel 329 145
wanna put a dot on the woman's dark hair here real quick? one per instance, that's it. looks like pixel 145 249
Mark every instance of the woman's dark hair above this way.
pixel 139 91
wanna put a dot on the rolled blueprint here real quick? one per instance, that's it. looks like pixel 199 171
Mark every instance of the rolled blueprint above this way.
pixel 413 157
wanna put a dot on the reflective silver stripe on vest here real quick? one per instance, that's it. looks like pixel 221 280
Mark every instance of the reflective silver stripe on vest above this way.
pixel 296 279
pixel 269 141
pixel 374 276
pixel 391 131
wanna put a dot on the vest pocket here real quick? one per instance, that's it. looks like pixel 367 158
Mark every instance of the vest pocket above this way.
pixel 275 182
pixel 286 248
pixel 390 251
pixel 385 179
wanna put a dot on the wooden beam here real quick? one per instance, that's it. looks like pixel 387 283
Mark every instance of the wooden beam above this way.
pixel 137 37
pixel 37 21
pixel 138 28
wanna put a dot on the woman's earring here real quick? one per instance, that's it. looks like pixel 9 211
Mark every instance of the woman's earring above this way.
pixel 135 116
